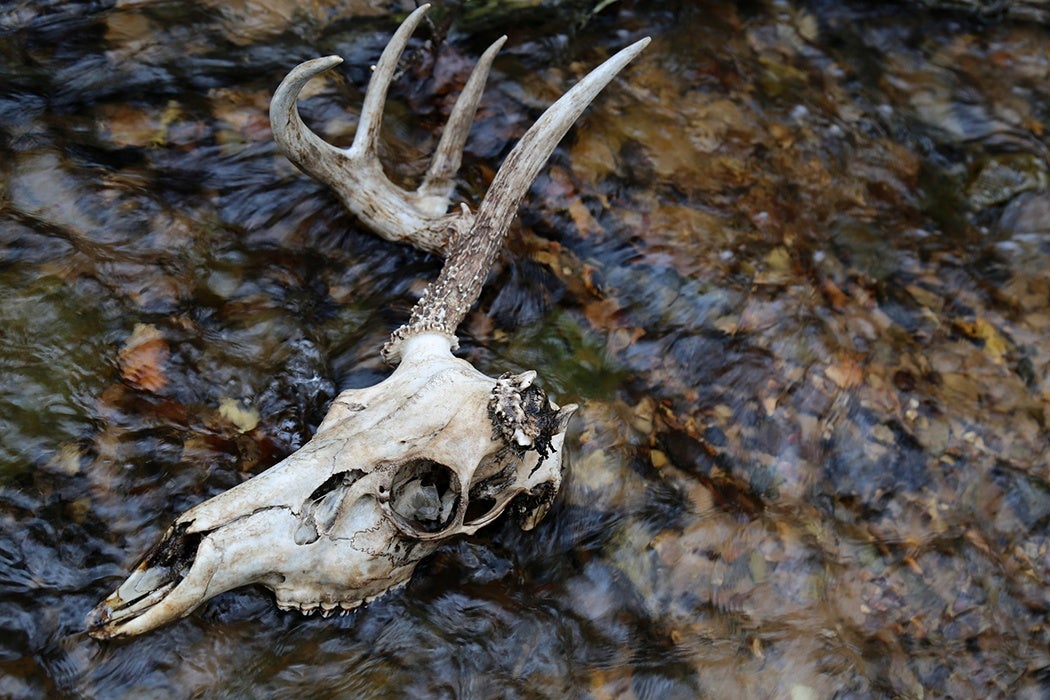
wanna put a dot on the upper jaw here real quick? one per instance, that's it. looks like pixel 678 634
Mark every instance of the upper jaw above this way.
pixel 170 582
pixel 188 568
pixel 117 616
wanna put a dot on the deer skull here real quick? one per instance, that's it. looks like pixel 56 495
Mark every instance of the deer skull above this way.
pixel 437 449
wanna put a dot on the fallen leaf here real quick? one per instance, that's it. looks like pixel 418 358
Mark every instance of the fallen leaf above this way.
pixel 143 357
pixel 244 419
pixel 846 374
pixel 995 345
pixel 586 224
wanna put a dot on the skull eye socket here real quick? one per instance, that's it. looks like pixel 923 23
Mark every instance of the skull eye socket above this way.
pixel 425 494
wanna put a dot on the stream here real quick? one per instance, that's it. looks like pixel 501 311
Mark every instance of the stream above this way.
pixel 793 264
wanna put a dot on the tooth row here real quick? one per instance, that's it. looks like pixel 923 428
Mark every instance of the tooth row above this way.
pixel 326 609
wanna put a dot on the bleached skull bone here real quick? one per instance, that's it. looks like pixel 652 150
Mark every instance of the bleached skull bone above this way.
pixel 436 450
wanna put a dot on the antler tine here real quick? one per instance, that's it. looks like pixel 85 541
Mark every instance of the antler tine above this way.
pixel 301 145
pixel 446 301
pixel 523 163
pixel 449 153
pixel 356 175
pixel 382 75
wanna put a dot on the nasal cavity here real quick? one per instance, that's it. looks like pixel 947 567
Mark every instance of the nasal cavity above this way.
pixel 425 494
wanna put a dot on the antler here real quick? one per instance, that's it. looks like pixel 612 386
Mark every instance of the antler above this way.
pixel 356 175
pixel 471 243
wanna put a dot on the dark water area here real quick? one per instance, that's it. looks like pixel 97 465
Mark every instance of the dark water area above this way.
pixel 794 264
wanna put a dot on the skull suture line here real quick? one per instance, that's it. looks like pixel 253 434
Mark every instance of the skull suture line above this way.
pixel 437 449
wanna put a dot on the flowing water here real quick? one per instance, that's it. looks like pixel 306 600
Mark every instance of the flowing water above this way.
pixel 794 265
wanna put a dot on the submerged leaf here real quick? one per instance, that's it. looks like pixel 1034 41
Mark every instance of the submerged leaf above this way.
pixel 244 419
pixel 143 357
